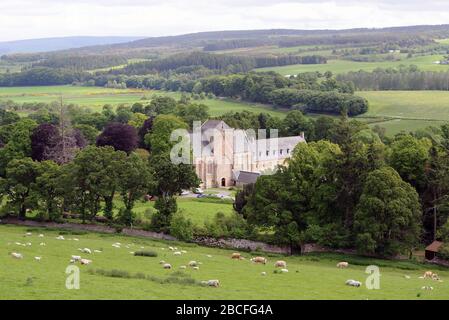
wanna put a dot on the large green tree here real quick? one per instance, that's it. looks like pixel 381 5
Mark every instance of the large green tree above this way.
pixel 387 219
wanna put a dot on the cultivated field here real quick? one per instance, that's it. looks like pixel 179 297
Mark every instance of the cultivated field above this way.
pixel 309 277
pixel 426 63
pixel 97 97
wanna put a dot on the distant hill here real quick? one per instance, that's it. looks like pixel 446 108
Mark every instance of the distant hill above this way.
pixel 55 44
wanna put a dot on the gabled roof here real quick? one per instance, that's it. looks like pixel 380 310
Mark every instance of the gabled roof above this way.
pixel 246 177
pixel 214 124
pixel 435 246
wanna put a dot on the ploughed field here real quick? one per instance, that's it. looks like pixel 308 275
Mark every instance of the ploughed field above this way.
pixel 115 273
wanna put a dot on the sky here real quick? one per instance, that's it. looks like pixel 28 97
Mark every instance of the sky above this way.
pixel 29 19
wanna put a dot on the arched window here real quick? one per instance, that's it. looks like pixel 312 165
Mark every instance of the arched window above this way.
pixel 223 182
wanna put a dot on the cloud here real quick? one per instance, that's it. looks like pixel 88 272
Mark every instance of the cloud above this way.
pixel 24 19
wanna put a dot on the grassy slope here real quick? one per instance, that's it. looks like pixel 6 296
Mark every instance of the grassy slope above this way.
pixel 425 63
pixel 308 278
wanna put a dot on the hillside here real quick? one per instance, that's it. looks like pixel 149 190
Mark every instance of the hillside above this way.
pixel 53 44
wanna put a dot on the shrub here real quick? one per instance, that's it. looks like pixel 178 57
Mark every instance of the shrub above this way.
pixel 181 227
pixel 146 253
pixel 233 226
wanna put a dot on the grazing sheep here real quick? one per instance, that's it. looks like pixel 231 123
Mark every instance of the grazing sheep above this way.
pixel 87 250
pixel 115 245
pixel 162 262
pixel 264 273
pixel 75 239
pixel 72 261
pixel 280 264
pixel 41 235
pixel 167 266
pixel 284 270
pixel 76 258
pixel 171 248
pixel 42 244
pixel 427 288
pixel 193 264
pixel 196 268
pixel 428 274
pixel 213 283
pixel 236 256
pixel 85 261
pixel 29 244
pixel 342 265
pixel 98 251
pixel 259 260
pixel 37 258
pixel 177 253
pixel 60 238
pixel 407 277
pixel 182 267
pixel 354 283
pixel 209 256
pixel 435 277
pixel 28 234
pixel 17 255
pixel 183 251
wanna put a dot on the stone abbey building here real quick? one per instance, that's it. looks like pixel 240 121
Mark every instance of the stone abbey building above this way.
pixel 232 157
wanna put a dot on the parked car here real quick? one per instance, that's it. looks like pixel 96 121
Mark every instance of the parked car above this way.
pixel 185 193
pixel 198 191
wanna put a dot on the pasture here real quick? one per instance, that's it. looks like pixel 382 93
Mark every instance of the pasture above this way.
pixel 115 273
pixel 425 63
pixel 96 97
pixel 407 110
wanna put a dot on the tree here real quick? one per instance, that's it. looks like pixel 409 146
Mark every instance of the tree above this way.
pixel 144 130
pixel 134 182
pixel 159 138
pixel 18 144
pixel 49 191
pixel 18 184
pixel 295 124
pixel 241 198
pixel 91 177
pixel 387 219
pixel 42 139
pixel 122 137
pixel 160 105
pixel 169 180
pixel 408 156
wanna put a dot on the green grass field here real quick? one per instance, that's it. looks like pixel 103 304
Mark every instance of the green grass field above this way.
pixel 96 97
pixel 408 110
pixel 197 211
pixel 425 63
pixel 309 276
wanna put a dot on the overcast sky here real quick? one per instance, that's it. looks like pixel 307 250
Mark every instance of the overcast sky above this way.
pixel 26 19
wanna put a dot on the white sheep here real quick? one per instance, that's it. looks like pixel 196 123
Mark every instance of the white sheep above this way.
pixel 41 235
pixel 87 250
pixel 60 238
pixel 213 283
pixel 284 270
pixel 17 255
pixel 177 253
pixel 182 267
pixel 76 258
pixel 196 268
pixel 353 283
pixel 167 266
pixel 85 261
pixel 193 264
pixel 37 258
pixel 42 244
pixel 263 273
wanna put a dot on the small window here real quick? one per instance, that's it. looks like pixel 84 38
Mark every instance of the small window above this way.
pixel 288 151
pixel 280 151
pixel 268 153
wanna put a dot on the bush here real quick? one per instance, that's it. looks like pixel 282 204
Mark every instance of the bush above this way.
pixel 145 254
pixel 234 226
pixel 181 228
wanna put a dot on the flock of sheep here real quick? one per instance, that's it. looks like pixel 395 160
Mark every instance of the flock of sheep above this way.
pixel 280 265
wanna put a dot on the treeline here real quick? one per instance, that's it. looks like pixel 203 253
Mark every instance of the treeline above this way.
pixel 320 102
pixel 235 44
pixel 220 63
pixel 42 76
pixel 403 78
pixel 89 62
pixel 399 39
